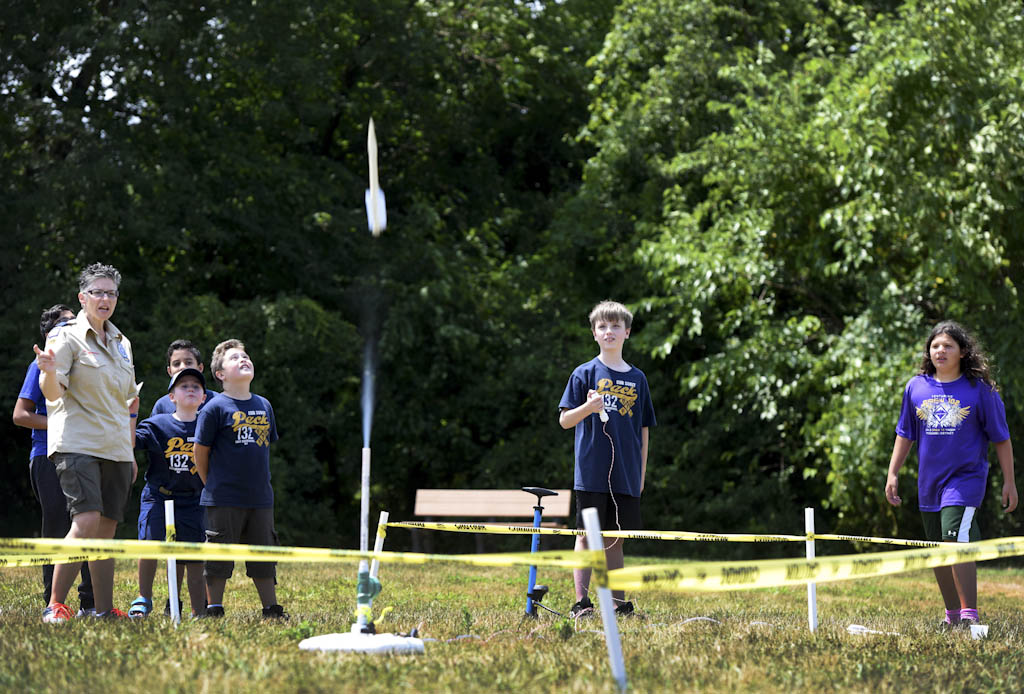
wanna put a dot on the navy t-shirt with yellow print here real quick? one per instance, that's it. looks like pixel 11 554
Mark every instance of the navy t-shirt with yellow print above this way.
pixel 627 400
pixel 169 452
pixel 239 434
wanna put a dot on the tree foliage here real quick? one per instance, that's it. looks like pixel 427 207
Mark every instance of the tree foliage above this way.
pixel 788 193
pixel 864 191
pixel 216 155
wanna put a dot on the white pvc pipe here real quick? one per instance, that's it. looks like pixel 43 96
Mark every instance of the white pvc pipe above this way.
pixel 364 504
pixel 364 525
pixel 378 543
pixel 172 563
pixel 604 598
pixel 812 588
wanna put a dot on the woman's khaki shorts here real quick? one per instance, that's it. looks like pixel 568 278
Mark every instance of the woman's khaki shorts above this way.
pixel 94 484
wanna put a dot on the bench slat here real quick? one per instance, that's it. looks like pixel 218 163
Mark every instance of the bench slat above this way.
pixel 488 503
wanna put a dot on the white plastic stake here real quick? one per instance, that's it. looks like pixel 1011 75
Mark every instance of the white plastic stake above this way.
pixel 604 599
pixel 378 543
pixel 812 588
pixel 172 563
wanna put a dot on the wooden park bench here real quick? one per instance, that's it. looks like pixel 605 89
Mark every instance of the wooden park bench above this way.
pixel 492 505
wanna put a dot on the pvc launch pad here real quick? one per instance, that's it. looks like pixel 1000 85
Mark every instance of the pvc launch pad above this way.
pixel 363 643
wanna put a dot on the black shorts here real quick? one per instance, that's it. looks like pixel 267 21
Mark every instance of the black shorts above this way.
pixel 247 526
pixel 616 512
pixel 952 524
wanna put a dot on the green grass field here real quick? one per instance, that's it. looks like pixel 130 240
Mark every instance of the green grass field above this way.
pixel 761 643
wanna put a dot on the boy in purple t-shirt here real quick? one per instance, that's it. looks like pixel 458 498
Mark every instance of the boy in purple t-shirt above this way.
pixel 953 410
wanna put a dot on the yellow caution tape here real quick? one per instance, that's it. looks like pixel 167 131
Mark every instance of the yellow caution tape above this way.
pixel 32 551
pixel 41 559
pixel 495 529
pixel 877 540
pixel 742 575
pixel 692 576
pixel 490 528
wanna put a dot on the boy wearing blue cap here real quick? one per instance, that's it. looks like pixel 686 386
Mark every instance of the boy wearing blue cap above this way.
pixel 169 441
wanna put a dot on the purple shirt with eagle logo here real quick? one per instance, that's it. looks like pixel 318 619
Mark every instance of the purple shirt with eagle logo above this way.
pixel 953 424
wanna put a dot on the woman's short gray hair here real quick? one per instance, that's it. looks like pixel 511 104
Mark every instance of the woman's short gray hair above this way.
pixel 96 271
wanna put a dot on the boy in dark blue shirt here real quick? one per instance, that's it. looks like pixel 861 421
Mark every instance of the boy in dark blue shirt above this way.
pixel 611 447
pixel 233 440
pixel 181 354
pixel 169 440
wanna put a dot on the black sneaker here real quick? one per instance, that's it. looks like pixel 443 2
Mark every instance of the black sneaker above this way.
pixel 215 611
pixel 581 608
pixel 626 610
pixel 274 612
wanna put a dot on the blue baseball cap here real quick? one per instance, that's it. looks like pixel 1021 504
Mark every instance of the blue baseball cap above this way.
pixel 187 372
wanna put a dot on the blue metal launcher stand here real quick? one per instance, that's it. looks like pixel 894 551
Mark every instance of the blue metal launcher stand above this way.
pixel 534 592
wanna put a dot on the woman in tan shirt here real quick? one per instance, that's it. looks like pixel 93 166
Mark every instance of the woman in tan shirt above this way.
pixel 88 377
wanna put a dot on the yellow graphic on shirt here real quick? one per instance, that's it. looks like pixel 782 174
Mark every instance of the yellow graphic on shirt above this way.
pixel 618 395
pixel 942 414
pixel 251 427
pixel 180 455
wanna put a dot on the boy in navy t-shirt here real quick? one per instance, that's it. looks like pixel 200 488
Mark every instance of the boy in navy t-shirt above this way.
pixel 233 440
pixel 611 446
pixel 181 354
pixel 168 440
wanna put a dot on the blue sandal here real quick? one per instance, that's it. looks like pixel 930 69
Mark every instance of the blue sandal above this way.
pixel 141 607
